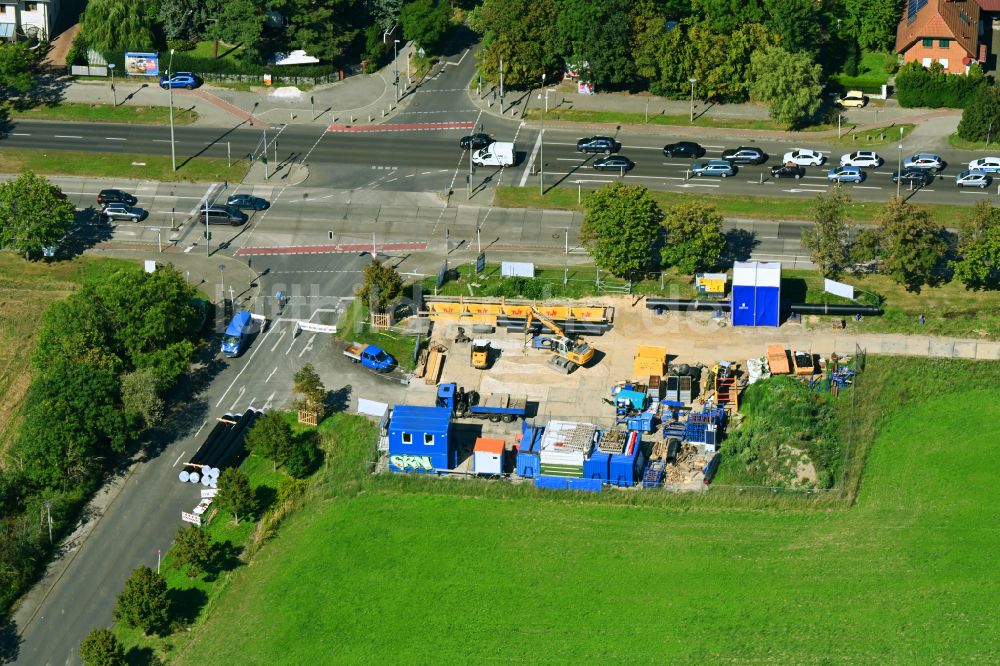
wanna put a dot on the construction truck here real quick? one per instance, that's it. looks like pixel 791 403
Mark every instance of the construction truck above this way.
pixel 568 353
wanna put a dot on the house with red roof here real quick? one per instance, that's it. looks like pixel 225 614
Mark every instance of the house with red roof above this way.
pixel 945 31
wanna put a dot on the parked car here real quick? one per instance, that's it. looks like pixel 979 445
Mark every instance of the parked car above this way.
pixel 598 144
pixel 614 163
pixel 788 171
pixel 247 202
pixel 913 176
pixel 475 141
pixel 804 157
pixel 853 99
pixel 924 161
pixel 861 158
pixel 973 179
pixel 105 197
pixel 121 211
pixel 745 155
pixel 985 164
pixel 846 174
pixel 180 80
pixel 219 214
pixel 683 149
pixel 720 168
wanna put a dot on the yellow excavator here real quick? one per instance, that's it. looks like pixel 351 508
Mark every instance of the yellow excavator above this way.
pixel 569 353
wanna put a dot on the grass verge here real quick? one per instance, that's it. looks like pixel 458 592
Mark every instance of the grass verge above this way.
pixel 955 141
pixel 104 113
pixel 354 327
pixel 346 575
pixel 875 137
pixel 684 120
pixel 765 208
pixel 26 289
pixel 119 165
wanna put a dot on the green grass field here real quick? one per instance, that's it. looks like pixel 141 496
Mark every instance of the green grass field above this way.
pixel 105 113
pixel 467 573
pixel 118 165
pixel 353 327
pixel 26 289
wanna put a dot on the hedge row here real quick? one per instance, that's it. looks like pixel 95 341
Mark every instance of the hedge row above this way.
pixel 917 86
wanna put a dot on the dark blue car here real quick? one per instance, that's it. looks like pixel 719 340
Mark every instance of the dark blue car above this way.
pixel 180 80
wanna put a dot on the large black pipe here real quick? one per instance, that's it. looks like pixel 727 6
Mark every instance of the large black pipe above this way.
pixel 213 436
pixel 827 309
pixel 234 432
pixel 237 444
pixel 663 304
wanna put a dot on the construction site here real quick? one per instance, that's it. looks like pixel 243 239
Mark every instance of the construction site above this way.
pixel 611 393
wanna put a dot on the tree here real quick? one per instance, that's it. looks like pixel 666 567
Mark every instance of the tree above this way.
pixel 324 28
pixel 694 239
pixel 307 384
pixel 193 548
pixel 981 117
pixel 140 398
pixel 796 22
pixel 112 27
pixel 386 12
pixel 143 603
pixel 102 648
pixel 978 264
pixel 621 227
pixel 874 22
pixel 303 456
pixel 827 240
pixel 33 214
pixel 598 33
pixel 426 22
pixel 380 287
pixel 789 83
pixel 238 22
pixel 912 243
pixel 270 437
pixel 183 20
pixel 235 494
pixel 522 33
pixel 727 16
pixel 17 68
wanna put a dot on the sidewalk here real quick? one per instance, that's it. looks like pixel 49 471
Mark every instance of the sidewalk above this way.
pixel 517 103
pixel 353 100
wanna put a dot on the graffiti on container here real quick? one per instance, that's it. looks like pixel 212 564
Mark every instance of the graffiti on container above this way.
pixel 415 462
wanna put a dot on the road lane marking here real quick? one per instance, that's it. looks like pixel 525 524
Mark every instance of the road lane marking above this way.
pixel 240 395
pixel 675 164
pixel 198 431
pixel 271 375
pixel 309 345
pixel 19 134
pixel 531 160
pixel 268 404
pixel 163 141
pixel 180 456
pixel 114 138
pixel 67 136
pixel 571 159
pixel 256 348
pixel 866 187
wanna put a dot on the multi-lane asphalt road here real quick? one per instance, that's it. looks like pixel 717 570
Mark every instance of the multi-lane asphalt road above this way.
pixel 431 160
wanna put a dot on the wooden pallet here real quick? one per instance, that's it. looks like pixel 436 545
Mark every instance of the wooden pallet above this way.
pixel 435 361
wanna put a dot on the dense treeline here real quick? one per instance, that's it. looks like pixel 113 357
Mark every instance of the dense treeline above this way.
pixel 104 358
pixel 660 44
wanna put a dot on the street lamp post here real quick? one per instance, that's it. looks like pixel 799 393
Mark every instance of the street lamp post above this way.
pixel 222 283
pixel 839 118
pixel 693 81
pixel 541 145
pixel 899 162
pixel 170 93
pixel 114 95
pixel 395 66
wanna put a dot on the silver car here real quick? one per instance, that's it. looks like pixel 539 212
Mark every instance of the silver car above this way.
pixel 120 211
pixel 973 179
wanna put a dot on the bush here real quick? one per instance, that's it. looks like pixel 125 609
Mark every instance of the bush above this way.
pixel 891 63
pixel 917 86
pixel 981 116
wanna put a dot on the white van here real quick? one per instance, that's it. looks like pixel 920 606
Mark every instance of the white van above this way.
pixel 498 153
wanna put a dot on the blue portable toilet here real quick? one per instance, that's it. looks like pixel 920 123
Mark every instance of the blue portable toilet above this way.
pixel 597 465
pixel 420 439
pixel 756 295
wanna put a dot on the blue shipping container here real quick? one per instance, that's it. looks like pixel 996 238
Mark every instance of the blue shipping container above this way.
pixel 597 465
pixel 626 469
pixel 420 439
pixel 527 463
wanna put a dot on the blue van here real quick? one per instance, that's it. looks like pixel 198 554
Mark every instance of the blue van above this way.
pixel 237 334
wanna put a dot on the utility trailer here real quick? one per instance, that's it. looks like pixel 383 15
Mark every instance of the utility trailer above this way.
pixel 471 404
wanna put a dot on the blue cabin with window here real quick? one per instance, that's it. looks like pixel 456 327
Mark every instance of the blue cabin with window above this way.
pixel 420 439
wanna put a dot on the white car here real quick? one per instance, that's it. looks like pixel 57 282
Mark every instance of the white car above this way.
pixel 804 157
pixel 861 158
pixel 985 164
pixel 927 161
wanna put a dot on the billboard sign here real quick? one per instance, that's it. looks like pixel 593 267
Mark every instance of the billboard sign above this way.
pixel 142 64
pixel 838 288
pixel 481 262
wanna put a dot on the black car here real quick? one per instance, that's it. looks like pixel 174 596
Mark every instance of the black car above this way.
pixel 683 149
pixel 247 202
pixel 598 144
pixel 614 163
pixel 475 141
pixel 788 171
pixel 745 155
pixel 105 197
pixel 913 176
